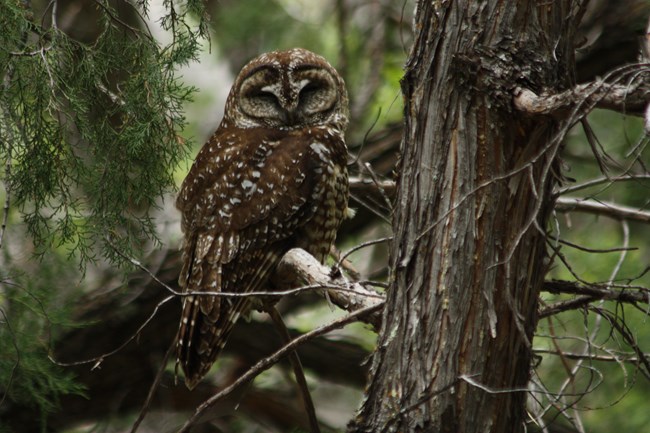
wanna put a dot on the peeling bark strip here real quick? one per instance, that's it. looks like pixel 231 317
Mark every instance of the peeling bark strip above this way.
pixel 468 255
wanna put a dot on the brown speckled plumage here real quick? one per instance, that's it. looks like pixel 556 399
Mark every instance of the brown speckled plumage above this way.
pixel 272 177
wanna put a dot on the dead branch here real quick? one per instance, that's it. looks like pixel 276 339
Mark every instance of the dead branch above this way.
pixel 562 204
pixel 588 294
pixel 599 291
pixel 612 210
pixel 299 266
pixel 298 371
pixel 625 357
pixel 630 98
pixel 366 186
pixel 603 180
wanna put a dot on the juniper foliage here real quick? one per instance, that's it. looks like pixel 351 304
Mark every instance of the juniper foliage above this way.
pixel 89 130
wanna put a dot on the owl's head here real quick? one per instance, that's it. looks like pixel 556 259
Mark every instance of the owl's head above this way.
pixel 288 90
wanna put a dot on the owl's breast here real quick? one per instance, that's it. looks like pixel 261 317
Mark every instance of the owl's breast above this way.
pixel 329 201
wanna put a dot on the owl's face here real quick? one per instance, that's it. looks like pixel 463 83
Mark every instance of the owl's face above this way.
pixel 288 90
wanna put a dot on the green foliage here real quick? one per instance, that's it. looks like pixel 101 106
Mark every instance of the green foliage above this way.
pixel 89 130
pixel 33 309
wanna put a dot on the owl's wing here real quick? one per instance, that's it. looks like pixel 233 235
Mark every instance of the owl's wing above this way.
pixel 243 199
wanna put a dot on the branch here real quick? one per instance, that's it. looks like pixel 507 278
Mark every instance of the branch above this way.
pixel 588 294
pixel 612 210
pixel 298 370
pixel 630 98
pixel 366 186
pixel 563 204
pixel 299 266
pixel 625 357
pixel 603 180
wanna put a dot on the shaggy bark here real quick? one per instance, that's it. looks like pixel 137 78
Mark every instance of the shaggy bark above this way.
pixel 474 194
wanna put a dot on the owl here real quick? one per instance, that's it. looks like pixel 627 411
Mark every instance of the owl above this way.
pixel 272 177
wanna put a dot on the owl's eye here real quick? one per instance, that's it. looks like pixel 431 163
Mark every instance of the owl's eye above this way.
pixel 317 96
pixel 310 89
pixel 266 97
pixel 308 92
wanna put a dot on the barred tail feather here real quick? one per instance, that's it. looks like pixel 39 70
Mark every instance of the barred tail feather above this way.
pixel 207 321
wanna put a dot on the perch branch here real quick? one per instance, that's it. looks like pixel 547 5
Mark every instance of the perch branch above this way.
pixel 298 265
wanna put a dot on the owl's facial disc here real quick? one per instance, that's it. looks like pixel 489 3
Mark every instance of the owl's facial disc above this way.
pixel 305 95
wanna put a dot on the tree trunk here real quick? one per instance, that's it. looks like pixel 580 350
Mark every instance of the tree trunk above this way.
pixel 474 195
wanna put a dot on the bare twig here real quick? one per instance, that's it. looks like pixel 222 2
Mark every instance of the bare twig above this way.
pixel 597 291
pixel 593 250
pixel 612 210
pixel 602 180
pixel 298 371
pixel 363 186
pixel 364 245
pixel 626 357
pixel 568 305
pixel 97 361
pixel 378 183
pixel 153 388
pixel 54 4
pixel 345 263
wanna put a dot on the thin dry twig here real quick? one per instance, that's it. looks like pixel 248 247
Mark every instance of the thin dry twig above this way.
pixel 603 180
pixel 97 360
pixel 153 388
pixel 593 250
pixel 612 210
pixel 298 371
pixel 627 357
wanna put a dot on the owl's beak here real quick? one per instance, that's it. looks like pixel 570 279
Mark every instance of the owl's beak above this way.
pixel 291 116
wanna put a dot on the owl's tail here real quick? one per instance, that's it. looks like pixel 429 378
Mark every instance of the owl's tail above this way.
pixel 207 320
pixel 200 339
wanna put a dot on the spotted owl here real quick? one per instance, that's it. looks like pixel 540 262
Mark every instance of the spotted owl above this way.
pixel 272 177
